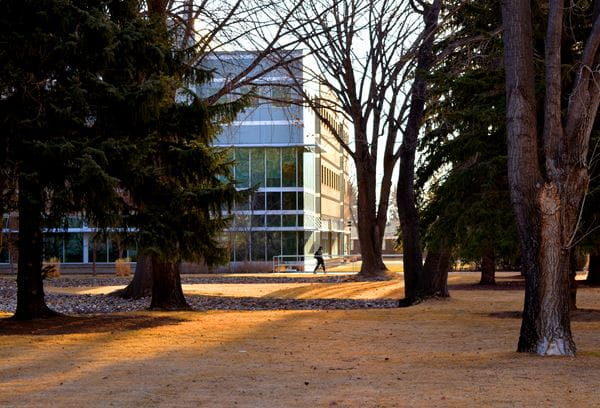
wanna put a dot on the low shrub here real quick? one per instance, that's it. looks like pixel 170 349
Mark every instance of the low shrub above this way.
pixel 51 268
pixel 123 267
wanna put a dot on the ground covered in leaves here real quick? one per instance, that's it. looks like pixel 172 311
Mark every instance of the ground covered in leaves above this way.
pixel 291 340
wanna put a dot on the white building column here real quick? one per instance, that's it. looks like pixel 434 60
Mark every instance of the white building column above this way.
pixel 86 246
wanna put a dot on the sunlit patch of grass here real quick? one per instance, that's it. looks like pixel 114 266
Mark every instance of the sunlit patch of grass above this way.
pixel 589 353
pixel 395 267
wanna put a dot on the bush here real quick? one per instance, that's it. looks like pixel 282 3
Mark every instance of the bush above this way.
pixel 123 267
pixel 51 268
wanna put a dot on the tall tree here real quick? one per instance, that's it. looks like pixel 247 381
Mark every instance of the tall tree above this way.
pixel 91 122
pixel 54 99
pixel 363 53
pixel 547 187
pixel 416 284
pixel 208 29
pixel 178 187
pixel 466 202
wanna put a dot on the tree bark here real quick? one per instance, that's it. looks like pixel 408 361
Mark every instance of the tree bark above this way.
pixel 554 324
pixel 167 293
pixel 488 266
pixel 435 274
pixel 549 220
pixel 141 284
pixel 370 231
pixel 405 191
pixel 523 172
pixel 593 276
pixel 31 303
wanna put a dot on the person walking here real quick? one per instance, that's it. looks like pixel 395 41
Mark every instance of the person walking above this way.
pixel 319 258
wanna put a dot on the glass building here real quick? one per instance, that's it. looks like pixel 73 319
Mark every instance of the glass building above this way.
pixel 298 170
pixel 76 243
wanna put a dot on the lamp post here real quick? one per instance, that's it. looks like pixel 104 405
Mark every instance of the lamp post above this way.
pixel 349 224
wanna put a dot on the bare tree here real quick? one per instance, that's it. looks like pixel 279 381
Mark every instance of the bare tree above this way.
pixel 418 284
pixel 548 191
pixel 213 29
pixel 363 52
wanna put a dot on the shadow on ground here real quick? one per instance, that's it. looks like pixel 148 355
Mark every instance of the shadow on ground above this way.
pixel 579 315
pixel 61 325
pixel 202 302
pixel 516 282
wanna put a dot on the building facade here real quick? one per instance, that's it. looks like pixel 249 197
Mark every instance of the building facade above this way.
pixel 298 170
pixel 77 243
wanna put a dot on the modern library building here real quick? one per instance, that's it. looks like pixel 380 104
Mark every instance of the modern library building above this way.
pixel 299 171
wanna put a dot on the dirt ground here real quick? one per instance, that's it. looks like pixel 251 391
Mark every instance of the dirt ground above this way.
pixel 444 353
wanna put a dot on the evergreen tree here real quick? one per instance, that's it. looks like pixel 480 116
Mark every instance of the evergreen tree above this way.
pixel 89 123
pixel 467 206
pixel 183 185
pixel 52 96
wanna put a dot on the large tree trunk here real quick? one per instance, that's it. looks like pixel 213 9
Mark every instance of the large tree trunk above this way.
pixel 370 232
pixel 166 292
pixel 523 171
pixel 488 265
pixel 30 288
pixel 405 192
pixel 435 274
pixel 557 197
pixel 593 276
pixel 141 284
pixel 554 323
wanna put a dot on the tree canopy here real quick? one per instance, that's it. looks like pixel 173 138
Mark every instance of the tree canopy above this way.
pixel 90 123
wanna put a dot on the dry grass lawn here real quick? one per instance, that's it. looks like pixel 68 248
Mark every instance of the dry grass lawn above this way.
pixel 445 353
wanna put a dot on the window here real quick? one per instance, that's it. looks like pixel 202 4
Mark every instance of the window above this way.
pixel 245 90
pixel 299 165
pixel 258 220
pixel 74 222
pixel 258 246
pixel 242 165
pixel 257 171
pixel 242 245
pixel 288 239
pixel 74 248
pixel 99 245
pixel 273 168
pixel 241 221
pixel 243 204
pixel 288 167
pixel 273 244
pixel 281 95
pixel 289 220
pixel 289 201
pixel 258 201
pixel 274 220
pixel 132 251
pixel 4 253
pixel 113 251
pixel 274 201
pixel 53 247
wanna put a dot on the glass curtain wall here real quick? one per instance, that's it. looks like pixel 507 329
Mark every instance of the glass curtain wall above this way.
pixel 270 223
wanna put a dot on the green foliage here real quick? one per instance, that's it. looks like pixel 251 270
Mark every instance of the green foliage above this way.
pixel 463 171
pixel 93 107
pixel 55 55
